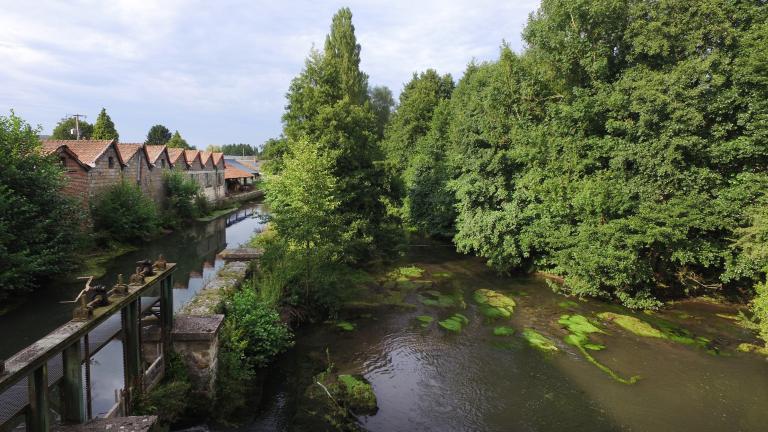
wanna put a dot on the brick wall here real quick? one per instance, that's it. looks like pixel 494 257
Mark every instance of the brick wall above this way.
pixel 157 174
pixel 102 175
pixel 77 178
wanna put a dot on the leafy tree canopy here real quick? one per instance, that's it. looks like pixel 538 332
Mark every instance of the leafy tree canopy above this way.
pixel 104 129
pixel 65 128
pixel 158 135
pixel 177 141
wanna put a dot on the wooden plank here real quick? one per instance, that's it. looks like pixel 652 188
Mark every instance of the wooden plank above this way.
pixel 25 361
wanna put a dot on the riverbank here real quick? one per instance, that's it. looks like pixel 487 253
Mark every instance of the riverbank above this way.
pixel 675 369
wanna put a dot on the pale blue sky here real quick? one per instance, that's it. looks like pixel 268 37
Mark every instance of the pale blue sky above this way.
pixel 218 70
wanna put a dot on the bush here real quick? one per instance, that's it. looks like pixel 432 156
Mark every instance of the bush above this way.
pixel 171 398
pixel 39 227
pixel 264 334
pixel 181 192
pixel 123 213
pixel 202 205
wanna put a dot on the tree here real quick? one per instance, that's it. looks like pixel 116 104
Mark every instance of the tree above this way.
pixel 304 199
pixel 177 141
pixel 239 150
pixel 104 129
pixel 39 226
pixel 158 135
pixel 382 104
pixel 328 105
pixel 619 150
pixel 272 152
pixel 65 127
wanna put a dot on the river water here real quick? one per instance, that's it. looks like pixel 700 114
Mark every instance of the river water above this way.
pixel 193 248
pixel 427 379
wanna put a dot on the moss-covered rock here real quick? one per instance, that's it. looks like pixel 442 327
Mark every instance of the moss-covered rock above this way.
pixel 752 348
pixel 494 304
pixel 632 325
pixel 455 323
pixel 568 304
pixel 503 331
pixel 403 274
pixel 539 341
pixel 357 394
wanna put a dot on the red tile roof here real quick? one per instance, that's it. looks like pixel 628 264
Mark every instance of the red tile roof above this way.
pixel 87 151
pixel 191 155
pixel 236 173
pixel 128 150
pixel 51 147
pixel 204 156
pixel 177 155
pixel 217 156
pixel 155 151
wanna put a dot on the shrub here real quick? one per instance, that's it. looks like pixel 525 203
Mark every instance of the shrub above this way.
pixel 202 205
pixel 181 193
pixel 171 398
pixel 123 213
pixel 264 334
pixel 39 227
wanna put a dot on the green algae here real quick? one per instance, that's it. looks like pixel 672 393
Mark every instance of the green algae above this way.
pixel 539 341
pixel 494 304
pixel 568 304
pixel 437 299
pixel 503 331
pixel 579 328
pixel 345 325
pixel 442 274
pixel 403 274
pixel 425 320
pixel 578 324
pixel 632 325
pixel 455 323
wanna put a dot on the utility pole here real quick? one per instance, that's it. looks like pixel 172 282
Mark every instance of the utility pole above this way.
pixel 77 124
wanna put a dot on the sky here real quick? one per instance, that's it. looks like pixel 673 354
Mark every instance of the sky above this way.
pixel 218 71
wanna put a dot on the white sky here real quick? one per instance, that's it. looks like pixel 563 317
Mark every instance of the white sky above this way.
pixel 218 70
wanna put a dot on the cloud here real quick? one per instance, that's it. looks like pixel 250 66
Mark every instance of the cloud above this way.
pixel 218 71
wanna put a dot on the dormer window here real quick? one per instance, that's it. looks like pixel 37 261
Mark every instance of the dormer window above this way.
pixel 111 162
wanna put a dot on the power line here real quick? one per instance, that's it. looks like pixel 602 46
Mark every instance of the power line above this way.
pixel 77 123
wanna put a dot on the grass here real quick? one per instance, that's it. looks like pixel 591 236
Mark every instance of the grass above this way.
pixel 94 264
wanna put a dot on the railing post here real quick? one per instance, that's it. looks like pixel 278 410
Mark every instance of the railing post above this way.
pixel 131 349
pixel 38 419
pixel 73 409
pixel 166 314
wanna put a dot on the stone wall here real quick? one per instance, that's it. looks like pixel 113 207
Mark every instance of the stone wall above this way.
pixel 157 182
pixel 102 175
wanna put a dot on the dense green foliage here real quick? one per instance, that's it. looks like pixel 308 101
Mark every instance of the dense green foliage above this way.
pixel 123 213
pixel 272 152
pixel 620 150
pixel 171 398
pixel 239 150
pixel 104 128
pixel 158 135
pixel 65 127
pixel 328 105
pixel 39 227
pixel 752 261
pixel 382 103
pixel 177 141
pixel 181 193
pixel 415 144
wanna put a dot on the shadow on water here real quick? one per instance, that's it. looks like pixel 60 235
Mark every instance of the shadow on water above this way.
pixel 193 247
pixel 431 380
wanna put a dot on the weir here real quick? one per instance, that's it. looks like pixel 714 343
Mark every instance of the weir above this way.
pixel 49 381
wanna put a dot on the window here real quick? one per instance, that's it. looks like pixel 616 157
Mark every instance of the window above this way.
pixel 207 180
pixel 162 163
pixel 111 162
pixel 63 161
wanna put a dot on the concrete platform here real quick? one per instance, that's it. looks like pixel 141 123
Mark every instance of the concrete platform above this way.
pixel 240 254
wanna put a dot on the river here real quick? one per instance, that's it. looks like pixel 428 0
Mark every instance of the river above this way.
pixel 193 248
pixel 428 379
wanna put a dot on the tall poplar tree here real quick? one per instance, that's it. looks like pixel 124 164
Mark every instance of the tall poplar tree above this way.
pixel 104 129
pixel 328 104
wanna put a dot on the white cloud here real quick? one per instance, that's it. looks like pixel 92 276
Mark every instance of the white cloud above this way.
pixel 190 64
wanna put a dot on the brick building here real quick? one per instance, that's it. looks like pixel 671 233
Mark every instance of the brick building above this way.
pixel 178 159
pixel 92 165
pixel 161 163
pixel 137 166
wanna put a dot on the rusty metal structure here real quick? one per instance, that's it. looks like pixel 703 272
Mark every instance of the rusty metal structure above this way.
pixel 50 380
